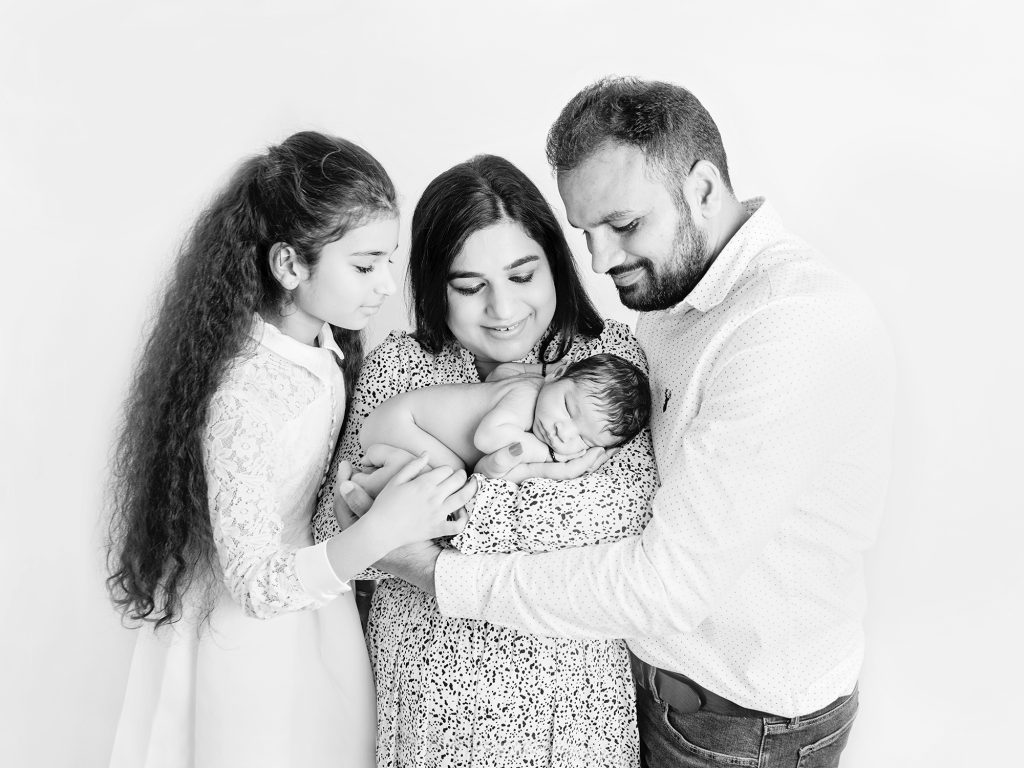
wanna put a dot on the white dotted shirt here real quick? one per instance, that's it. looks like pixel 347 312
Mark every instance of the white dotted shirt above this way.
pixel 772 420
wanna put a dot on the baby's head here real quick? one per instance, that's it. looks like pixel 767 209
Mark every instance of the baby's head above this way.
pixel 601 400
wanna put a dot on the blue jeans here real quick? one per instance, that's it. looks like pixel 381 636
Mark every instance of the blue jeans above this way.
pixel 670 739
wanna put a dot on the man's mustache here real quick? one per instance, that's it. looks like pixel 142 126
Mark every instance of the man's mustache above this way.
pixel 623 268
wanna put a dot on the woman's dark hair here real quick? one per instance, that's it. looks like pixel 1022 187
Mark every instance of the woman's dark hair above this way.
pixel 465 199
pixel 307 192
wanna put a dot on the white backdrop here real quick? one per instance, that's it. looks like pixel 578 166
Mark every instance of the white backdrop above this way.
pixel 887 134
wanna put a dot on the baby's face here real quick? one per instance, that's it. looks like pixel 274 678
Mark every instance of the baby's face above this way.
pixel 569 419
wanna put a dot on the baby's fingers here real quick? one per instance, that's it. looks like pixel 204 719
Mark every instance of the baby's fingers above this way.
pixel 452 483
pixel 433 479
pixel 410 470
pixel 382 455
pixel 602 457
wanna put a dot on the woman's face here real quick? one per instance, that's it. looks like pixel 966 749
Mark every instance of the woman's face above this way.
pixel 501 296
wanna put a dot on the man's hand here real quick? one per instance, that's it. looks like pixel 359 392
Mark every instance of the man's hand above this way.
pixel 506 463
pixel 413 563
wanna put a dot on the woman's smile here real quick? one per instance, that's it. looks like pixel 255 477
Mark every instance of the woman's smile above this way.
pixel 507 330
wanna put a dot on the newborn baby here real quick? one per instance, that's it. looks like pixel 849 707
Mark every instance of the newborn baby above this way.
pixel 601 400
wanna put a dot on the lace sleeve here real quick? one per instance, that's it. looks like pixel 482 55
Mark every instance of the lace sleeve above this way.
pixel 542 515
pixel 258 569
pixel 382 376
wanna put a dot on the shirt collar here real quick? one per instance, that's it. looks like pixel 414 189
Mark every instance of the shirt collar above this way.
pixel 306 355
pixel 761 228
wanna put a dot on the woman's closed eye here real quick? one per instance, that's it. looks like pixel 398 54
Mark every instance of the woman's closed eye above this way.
pixel 466 290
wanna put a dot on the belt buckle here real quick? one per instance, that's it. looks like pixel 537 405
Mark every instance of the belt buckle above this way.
pixel 683 698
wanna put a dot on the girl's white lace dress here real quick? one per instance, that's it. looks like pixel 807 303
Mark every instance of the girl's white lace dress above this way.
pixel 279 675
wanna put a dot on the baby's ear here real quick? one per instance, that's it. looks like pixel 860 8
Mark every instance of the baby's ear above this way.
pixel 558 371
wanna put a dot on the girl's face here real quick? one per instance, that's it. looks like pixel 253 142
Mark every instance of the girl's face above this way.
pixel 352 278
pixel 501 296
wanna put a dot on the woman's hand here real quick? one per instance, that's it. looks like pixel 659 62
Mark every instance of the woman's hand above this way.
pixel 415 505
pixel 507 464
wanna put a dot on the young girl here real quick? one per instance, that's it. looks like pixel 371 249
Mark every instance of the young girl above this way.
pixel 254 656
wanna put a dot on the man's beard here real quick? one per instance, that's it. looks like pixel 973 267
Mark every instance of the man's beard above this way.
pixel 664 288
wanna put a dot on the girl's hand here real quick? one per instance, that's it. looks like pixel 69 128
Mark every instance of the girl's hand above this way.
pixel 380 464
pixel 416 507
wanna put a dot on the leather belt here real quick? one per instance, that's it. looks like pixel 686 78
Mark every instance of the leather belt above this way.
pixel 683 694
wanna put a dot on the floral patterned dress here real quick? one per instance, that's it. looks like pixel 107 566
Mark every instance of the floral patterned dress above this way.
pixel 459 693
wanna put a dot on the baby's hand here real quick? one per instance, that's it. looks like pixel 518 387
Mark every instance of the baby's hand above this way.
pixel 564 457
pixel 416 507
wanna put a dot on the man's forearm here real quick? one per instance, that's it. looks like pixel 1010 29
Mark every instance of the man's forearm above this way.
pixel 414 563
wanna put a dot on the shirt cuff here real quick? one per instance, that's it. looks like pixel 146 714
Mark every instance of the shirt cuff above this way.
pixel 457 584
pixel 316 575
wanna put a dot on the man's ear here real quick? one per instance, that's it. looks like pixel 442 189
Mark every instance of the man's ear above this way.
pixel 286 267
pixel 703 189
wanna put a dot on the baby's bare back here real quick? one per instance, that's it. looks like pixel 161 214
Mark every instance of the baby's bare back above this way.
pixel 449 413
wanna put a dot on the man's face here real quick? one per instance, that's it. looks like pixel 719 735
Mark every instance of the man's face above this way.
pixel 636 230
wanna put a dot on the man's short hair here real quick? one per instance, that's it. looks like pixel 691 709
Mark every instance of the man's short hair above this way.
pixel 666 122
pixel 621 389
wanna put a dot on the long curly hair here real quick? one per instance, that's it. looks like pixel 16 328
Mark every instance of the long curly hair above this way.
pixel 307 192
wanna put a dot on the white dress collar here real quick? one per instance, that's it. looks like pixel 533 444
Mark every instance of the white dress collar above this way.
pixel 306 355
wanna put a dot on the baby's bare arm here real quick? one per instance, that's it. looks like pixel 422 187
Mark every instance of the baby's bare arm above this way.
pixel 511 370
pixel 510 421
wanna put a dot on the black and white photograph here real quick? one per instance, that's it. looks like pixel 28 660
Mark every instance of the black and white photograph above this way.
pixel 456 384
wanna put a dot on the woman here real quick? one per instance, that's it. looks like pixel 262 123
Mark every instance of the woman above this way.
pixel 493 281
